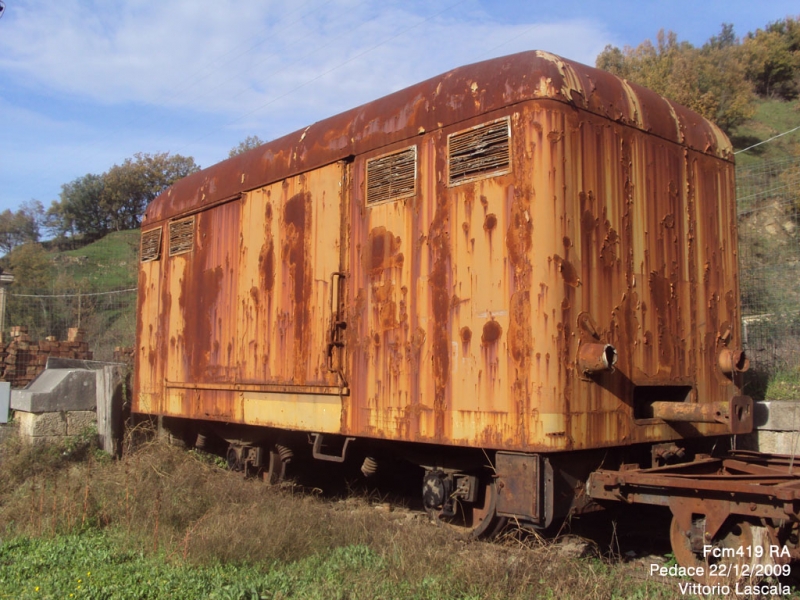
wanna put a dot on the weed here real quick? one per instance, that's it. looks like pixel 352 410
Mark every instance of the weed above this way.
pixel 784 385
pixel 166 523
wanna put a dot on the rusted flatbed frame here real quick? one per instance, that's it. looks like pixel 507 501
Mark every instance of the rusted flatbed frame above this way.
pixel 743 484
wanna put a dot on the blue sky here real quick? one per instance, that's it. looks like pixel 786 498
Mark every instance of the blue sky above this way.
pixel 85 84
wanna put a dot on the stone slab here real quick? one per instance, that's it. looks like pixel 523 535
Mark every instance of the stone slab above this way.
pixel 58 390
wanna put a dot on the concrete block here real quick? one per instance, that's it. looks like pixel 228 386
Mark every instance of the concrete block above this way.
pixel 88 391
pixel 35 425
pixel 79 421
pixel 778 442
pixel 777 415
pixel 776 427
pixel 56 390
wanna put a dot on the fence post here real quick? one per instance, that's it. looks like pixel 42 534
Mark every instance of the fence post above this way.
pixel 110 400
pixel 6 279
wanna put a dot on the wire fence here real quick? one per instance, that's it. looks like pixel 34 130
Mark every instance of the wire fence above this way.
pixel 768 204
pixel 107 320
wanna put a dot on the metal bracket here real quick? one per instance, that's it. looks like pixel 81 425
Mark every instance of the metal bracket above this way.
pixel 316 450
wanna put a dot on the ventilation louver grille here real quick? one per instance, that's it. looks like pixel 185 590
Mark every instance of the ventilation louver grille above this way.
pixel 181 236
pixel 392 176
pixel 151 245
pixel 479 152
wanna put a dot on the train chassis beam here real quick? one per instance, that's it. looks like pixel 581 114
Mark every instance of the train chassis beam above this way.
pixel 743 500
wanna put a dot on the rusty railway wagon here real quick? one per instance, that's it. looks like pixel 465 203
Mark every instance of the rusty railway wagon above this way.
pixel 520 276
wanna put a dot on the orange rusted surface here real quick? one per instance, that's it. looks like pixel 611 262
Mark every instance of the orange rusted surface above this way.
pixel 464 306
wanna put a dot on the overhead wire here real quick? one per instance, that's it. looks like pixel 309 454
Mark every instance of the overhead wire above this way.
pixel 774 137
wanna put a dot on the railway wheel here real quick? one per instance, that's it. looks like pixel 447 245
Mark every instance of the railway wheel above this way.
pixel 731 548
pixel 233 458
pixel 279 458
pixel 484 521
pixel 475 514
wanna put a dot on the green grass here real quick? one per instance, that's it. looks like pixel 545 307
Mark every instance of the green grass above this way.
pixel 783 385
pixel 165 523
pixel 772 118
pixel 95 565
pixel 107 264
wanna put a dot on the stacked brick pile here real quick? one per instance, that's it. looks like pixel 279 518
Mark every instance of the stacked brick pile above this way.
pixel 21 359
pixel 124 354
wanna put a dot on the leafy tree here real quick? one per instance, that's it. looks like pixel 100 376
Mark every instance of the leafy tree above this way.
pixel 81 207
pixel 115 200
pixel 726 96
pixel 131 186
pixel 30 265
pixel 20 226
pixel 773 59
pixel 710 80
pixel 250 142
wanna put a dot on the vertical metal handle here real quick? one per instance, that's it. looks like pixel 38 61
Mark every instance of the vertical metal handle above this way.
pixel 336 278
pixel 337 323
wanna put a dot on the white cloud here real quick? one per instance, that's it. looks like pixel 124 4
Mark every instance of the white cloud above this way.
pixel 236 57
pixel 197 76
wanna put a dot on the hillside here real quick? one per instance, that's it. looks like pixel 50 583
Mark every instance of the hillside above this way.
pixel 107 264
pixel 767 184
pixel 772 117
pixel 93 288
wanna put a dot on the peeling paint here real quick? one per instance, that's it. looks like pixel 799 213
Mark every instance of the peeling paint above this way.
pixel 614 225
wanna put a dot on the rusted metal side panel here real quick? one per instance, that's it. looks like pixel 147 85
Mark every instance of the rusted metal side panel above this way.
pixel 424 281
pixel 466 305
pixel 172 324
pixel 260 273
pixel 288 251
pixel 716 272
pixel 386 335
pixel 201 320
pixel 476 298
pixel 148 358
pixel 545 253
pixel 485 409
pixel 381 281
pixel 616 260
pixel 248 310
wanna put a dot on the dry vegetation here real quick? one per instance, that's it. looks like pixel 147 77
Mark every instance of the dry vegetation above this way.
pixel 176 512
